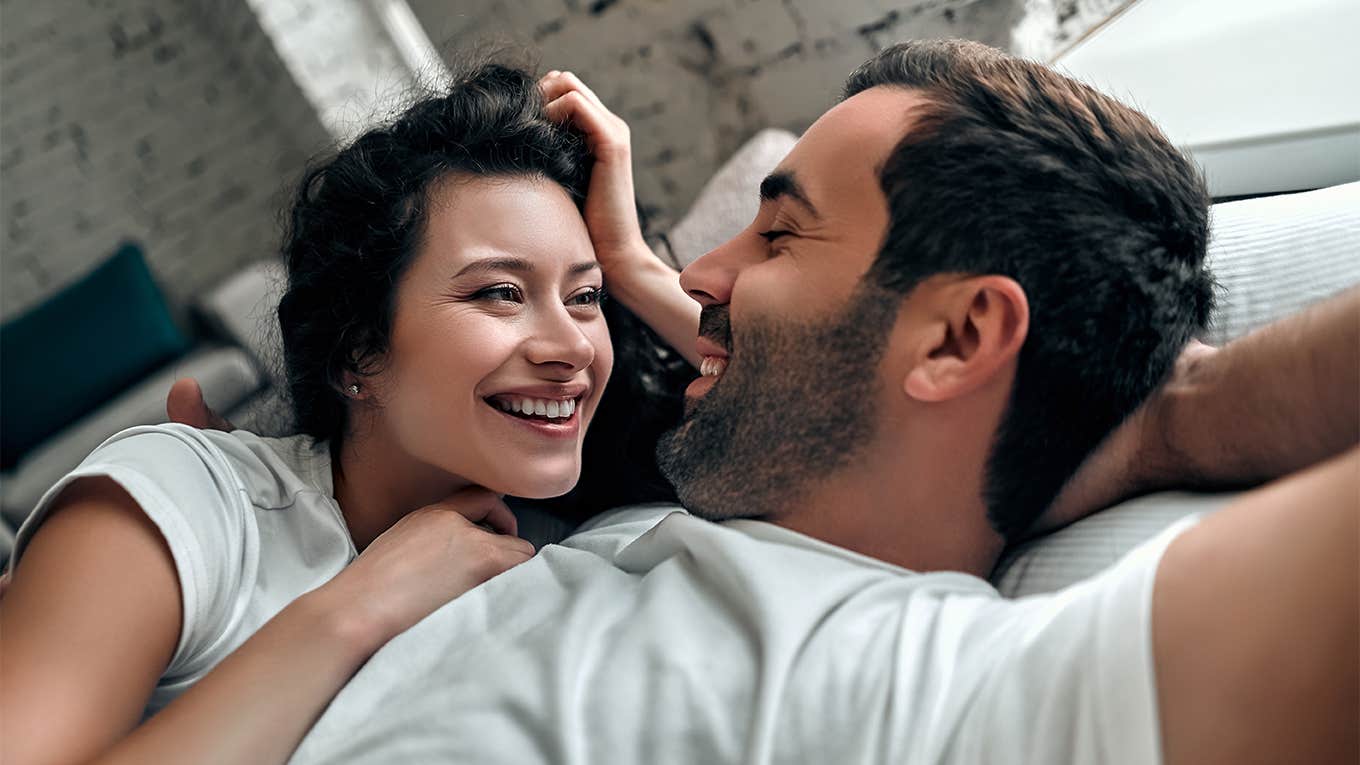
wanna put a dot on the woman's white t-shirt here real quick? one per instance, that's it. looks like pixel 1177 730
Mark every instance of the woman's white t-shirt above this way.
pixel 251 523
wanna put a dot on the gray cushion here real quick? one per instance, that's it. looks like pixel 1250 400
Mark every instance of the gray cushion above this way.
pixel 728 202
pixel 226 376
pixel 243 310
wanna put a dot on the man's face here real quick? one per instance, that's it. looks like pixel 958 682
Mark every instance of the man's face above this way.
pixel 791 336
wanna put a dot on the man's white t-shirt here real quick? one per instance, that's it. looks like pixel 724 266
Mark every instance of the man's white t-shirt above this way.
pixel 653 636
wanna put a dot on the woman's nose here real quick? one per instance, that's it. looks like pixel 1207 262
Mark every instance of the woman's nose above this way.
pixel 561 340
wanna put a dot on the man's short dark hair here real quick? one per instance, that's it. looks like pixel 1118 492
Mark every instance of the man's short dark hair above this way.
pixel 1013 169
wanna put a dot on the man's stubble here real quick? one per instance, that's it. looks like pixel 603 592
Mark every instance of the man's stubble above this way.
pixel 796 403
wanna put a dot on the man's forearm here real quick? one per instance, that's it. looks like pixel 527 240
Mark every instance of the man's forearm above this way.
pixel 1272 402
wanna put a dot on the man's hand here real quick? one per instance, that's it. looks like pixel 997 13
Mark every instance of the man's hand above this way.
pixel 1270 403
pixel 1134 459
pixel 185 405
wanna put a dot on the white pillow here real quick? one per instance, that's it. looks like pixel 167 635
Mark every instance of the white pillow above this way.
pixel 1083 549
pixel 1275 255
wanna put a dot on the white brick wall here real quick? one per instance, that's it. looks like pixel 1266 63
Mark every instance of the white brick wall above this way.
pixel 175 122
pixel 341 58
pixel 695 79
pixel 166 121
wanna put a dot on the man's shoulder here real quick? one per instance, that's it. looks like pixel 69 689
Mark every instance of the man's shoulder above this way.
pixel 610 532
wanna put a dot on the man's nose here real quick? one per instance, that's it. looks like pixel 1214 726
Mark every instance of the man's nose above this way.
pixel 560 340
pixel 709 279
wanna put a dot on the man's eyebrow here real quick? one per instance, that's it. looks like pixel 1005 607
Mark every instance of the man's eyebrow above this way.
pixel 783 183
pixel 520 265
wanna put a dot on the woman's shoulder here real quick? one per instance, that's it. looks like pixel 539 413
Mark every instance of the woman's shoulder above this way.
pixel 270 471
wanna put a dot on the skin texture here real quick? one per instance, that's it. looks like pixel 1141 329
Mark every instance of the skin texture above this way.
pixel 466 329
pixel 775 425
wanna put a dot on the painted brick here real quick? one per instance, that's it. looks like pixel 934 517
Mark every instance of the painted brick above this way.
pixel 167 121
pixel 696 79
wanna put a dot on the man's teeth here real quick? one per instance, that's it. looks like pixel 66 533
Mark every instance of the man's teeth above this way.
pixel 712 366
pixel 551 408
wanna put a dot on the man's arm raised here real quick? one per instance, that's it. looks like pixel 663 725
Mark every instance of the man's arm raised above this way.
pixel 1278 400
pixel 1270 403
pixel 1256 626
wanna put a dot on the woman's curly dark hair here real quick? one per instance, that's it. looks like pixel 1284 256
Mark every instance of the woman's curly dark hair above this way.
pixel 354 228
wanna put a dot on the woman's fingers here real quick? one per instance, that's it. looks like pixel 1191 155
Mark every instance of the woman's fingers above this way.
pixel 484 506
pixel 570 100
pixel 556 84
pixel 502 520
pixel 598 125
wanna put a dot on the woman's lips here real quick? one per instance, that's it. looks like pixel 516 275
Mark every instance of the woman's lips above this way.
pixel 560 427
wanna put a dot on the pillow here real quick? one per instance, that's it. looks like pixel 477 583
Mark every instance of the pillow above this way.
pixel 1273 256
pixel 76 350
pixel 244 310
pixel 1085 548
pixel 728 202
pixel 226 376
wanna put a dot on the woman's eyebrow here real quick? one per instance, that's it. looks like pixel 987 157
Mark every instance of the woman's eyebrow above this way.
pixel 519 265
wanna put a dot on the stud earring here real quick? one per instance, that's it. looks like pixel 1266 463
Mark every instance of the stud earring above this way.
pixel 353 389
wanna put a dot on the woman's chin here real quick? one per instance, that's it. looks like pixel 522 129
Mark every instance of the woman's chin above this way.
pixel 540 487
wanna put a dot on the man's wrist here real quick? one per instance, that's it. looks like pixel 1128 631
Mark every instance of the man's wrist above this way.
pixel 1170 453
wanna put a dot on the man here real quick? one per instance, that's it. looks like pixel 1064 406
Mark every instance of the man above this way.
pixel 962 279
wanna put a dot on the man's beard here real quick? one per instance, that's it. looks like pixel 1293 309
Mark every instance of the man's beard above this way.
pixel 795 404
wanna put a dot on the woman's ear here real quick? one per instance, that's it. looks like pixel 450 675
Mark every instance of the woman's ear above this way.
pixel 977 326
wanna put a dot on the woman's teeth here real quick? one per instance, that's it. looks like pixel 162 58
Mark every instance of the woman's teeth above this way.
pixel 542 407
pixel 712 366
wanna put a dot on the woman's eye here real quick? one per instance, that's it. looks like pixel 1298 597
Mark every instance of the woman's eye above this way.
pixel 774 234
pixel 505 292
pixel 588 297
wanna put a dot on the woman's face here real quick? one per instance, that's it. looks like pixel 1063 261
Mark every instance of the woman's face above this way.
pixel 499 351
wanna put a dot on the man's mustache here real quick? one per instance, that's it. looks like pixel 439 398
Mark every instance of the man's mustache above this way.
pixel 714 324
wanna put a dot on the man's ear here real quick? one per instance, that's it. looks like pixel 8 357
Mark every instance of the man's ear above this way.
pixel 976 326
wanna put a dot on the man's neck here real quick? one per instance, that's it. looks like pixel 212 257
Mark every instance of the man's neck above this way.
pixel 913 503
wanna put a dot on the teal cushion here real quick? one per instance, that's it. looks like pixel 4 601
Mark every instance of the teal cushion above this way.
pixel 79 349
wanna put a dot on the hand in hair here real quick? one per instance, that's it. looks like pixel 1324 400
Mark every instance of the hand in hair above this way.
pixel 640 280
pixel 610 210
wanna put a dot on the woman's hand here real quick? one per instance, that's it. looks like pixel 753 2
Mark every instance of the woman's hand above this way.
pixel 641 281
pixel 429 557
pixel 610 210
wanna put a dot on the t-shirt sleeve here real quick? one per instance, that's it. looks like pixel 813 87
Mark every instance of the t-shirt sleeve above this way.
pixel 190 492
pixel 940 668
pixel 1069 676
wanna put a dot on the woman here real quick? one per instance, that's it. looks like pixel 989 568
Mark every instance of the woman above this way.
pixel 444 344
